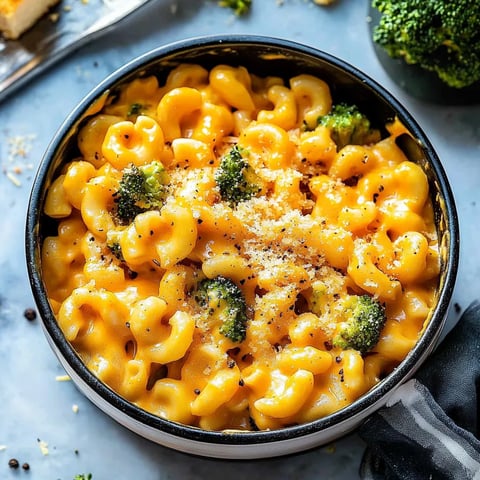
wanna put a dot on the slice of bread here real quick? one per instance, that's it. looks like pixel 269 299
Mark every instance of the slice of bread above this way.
pixel 17 16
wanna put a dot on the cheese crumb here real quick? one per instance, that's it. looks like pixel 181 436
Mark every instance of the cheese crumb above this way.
pixel 62 378
pixel 13 179
pixel 19 147
pixel 43 446
pixel 75 408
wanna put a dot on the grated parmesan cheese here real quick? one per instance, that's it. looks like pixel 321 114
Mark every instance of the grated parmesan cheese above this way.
pixel 274 233
pixel 19 148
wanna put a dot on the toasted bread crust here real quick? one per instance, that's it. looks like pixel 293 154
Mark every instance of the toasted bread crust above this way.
pixel 17 16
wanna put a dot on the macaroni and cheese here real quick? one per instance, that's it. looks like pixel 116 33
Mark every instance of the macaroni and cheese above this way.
pixel 144 223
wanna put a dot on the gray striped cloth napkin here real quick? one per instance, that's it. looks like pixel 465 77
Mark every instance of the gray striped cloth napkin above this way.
pixel 430 428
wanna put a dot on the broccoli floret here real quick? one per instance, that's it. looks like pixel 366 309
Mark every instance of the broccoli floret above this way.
pixel 135 109
pixel 361 329
pixel 140 189
pixel 348 126
pixel 224 302
pixel 441 36
pixel 240 7
pixel 236 179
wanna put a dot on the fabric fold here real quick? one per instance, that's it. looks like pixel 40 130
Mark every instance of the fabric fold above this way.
pixel 429 427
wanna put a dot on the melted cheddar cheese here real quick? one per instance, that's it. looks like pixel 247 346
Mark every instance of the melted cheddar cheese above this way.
pixel 328 223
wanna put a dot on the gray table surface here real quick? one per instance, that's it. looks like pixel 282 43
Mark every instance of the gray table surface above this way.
pixel 34 405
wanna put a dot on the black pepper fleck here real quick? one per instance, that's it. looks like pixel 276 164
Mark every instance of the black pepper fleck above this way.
pixel 30 314
pixel 131 274
pixel 13 463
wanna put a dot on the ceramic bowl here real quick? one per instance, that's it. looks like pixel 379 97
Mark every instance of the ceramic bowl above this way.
pixel 263 56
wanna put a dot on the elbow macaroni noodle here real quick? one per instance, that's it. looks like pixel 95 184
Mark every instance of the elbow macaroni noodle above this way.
pixel 327 223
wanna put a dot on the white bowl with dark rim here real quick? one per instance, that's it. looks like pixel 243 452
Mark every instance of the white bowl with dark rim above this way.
pixel 262 56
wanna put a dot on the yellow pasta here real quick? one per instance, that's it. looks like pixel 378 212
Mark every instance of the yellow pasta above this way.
pixel 313 98
pixel 136 143
pixel 284 112
pixel 145 222
pixel 56 203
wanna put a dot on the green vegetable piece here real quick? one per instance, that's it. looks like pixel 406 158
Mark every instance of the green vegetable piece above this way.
pixel 441 36
pixel 240 7
pixel 141 189
pixel 236 179
pixel 365 318
pixel 225 303
pixel 116 250
pixel 135 109
pixel 348 126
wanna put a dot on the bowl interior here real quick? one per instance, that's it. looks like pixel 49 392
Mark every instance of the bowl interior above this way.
pixel 262 56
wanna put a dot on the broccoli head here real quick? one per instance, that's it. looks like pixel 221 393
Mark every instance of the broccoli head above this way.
pixel 348 126
pixel 224 302
pixel 240 7
pixel 365 318
pixel 438 35
pixel 140 189
pixel 236 179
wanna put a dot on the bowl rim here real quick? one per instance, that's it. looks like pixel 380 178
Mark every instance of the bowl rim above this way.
pixel 366 402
